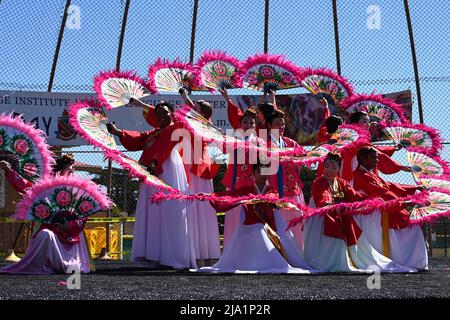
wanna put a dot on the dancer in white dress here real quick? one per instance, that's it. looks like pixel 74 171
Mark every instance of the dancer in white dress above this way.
pixel 261 243
pixel 335 242
pixel 389 231
pixel 161 234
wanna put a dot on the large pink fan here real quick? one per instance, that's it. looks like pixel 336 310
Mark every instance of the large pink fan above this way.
pixel 426 165
pixel 89 121
pixel 325 82
pixel 25 148
pixel 269 72
pixel 442 182
pixel 414 136
pixel 439 206
pixel 164 75
pixel 349 136
pixel 378 108
pixel 71 196
pixel 218 70
pixel 115 88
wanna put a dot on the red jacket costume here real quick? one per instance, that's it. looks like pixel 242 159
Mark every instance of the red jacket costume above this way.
pixel 203 168
pixel 374 186
pixel 336 225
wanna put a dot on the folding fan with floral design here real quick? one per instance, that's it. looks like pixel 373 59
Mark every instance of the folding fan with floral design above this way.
pixel 327 83
pixel 164 75
pixel 349 136
pixel 218 70
pixel 71 196
pixel 115 89
pixel 25 148
pixel 378 108
pixel 429 182
pixel 439 200
pixel 139 171
pixel 424 165
pixel 414 135
pixel 269 72
pixel 89 121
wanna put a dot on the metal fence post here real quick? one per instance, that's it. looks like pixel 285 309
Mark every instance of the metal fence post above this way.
pixel 58 46
pixel 193 30
pixel 105 253
pixel 336 37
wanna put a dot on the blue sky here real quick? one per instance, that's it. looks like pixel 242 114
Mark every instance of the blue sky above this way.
pixel 302 30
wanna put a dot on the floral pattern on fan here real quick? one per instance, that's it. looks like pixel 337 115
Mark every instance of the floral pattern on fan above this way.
pixel 55 195
pixel 269 72
pixel 25 148
pixel 344 137
pixel 327 82
pixel 439 205
pixel 218 75
pixel 378 108
pixel 89 121
pixel 422 164
pixel 313 156
pixel 407 137
pixel 115 89
pixel 435 183
pixel 218 70
pixel 169 76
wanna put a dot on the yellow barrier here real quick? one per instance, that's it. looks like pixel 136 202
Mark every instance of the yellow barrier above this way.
pixel 96 238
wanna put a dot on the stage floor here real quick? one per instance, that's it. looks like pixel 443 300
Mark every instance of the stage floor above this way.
pixel 126 280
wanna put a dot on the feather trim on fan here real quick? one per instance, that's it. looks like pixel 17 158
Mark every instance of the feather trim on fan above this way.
pixel 433 136
pixel 225 73
pixel 164 75
pixel 360 207
pixel 102 138
pixel 139 171
pixel 420 161
pixel 56 193
pixel 349 129
pixel 432 181
pixel 392 111
pixel 269 71
pixel 326 81
pixel 440 202
pixel 30 146
pixel 115 88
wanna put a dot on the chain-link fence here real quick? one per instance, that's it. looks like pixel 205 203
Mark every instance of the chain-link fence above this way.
pixel 369 42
